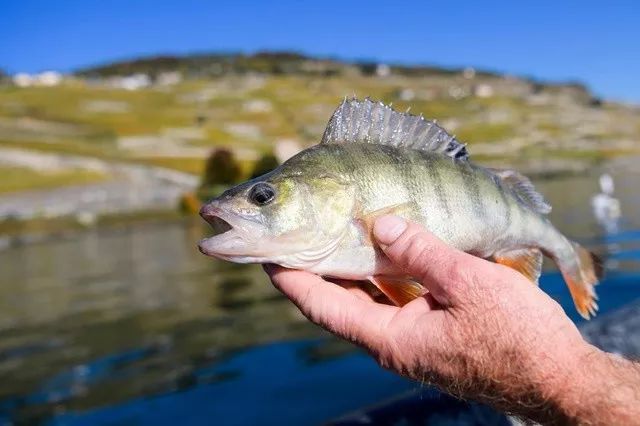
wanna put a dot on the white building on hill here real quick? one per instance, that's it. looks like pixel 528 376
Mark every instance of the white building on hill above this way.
pixel 47 79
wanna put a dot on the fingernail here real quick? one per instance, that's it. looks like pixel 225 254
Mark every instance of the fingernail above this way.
pixel 387 229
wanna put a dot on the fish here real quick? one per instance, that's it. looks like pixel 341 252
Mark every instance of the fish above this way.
pixel 315 212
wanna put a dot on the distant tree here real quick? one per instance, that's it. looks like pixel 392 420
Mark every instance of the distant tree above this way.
pixel 221 169
pixel 265 164
pixel 367 68
pixel 596 102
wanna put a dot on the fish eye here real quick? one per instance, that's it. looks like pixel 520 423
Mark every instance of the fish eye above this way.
pixel 262 193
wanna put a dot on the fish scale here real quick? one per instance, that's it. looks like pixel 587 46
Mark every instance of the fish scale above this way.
pixel 316 211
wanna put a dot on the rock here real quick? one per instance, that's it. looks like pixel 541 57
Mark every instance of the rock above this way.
pixel 469 73
pixel 243 130
pixel 285 149
pixel 257 106
pixel 483 91
pixel 617 332
pixel 406 95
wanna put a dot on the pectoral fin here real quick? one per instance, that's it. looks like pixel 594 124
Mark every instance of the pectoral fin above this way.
pixel 399 290
pixel 526 261
pixel 368 219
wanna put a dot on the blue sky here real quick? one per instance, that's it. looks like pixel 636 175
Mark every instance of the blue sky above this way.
pixel 594 42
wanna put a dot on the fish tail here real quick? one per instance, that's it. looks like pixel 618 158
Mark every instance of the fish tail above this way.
pixel 581 270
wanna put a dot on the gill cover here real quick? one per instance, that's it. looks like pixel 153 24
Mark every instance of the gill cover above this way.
pixel 329 205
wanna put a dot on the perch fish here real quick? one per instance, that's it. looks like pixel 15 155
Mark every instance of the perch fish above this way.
pixel 315 211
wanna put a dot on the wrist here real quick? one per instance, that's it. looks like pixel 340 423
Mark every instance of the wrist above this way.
pixel 541 380
pixel 559 380
pixel 596 387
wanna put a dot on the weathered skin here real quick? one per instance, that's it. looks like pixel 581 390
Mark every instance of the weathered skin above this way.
pixel 323 194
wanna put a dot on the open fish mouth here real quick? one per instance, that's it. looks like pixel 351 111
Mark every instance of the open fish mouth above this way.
pixel 231 237
pixel 219 225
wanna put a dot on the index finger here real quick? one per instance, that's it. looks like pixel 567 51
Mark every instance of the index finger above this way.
pixel 333 307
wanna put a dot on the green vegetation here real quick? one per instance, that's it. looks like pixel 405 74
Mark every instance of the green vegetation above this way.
pixel 246 104
pixel 19 179
pixel 485 132
pixel 70 147
pixel 265 164
pixel 550 128
pixel 60 224
pixel 194 166
pixel 274 63
pixel 97 113
pixel 221 169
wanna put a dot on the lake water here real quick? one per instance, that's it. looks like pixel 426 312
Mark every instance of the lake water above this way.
pixel 132 325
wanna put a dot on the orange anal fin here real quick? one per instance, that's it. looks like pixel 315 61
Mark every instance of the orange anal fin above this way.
pixel 584 297
pixel 368 219
pixel 526 261
pixel 399 290
pixel 581 282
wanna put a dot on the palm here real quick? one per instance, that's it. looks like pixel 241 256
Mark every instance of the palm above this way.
pixel 483 331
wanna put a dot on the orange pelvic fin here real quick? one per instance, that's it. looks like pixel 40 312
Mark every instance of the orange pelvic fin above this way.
pixel 526 261
pixel 399 290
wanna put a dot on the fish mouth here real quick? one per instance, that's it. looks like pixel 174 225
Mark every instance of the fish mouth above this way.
pixel 232 234
pixel 219 225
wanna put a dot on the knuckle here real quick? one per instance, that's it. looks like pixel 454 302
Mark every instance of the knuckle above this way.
pixel 416 253
pixel 458 274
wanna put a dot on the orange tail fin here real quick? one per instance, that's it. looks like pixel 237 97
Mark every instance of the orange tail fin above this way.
pixel 581 277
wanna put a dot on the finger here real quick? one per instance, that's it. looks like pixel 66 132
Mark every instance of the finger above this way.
pixel 360 293
pixel 333 307
pixel 360 289
pixel 448 274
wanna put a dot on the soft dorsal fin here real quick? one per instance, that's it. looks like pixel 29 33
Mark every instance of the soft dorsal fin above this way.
pixel 374 122
pixel 522 188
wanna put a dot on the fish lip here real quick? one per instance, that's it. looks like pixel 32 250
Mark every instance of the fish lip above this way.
pixel 221 245
pixel 214 215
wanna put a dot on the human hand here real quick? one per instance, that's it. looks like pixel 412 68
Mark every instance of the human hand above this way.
pixel 482 332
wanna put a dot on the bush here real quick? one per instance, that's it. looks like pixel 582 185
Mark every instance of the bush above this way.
pixel 221 168
pixel 265 164
pixel 189 203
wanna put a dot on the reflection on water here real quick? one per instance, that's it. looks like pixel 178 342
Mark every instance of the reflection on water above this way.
pixel 133 325
pixel 110 315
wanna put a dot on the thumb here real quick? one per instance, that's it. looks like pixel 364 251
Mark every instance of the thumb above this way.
pixel 446 272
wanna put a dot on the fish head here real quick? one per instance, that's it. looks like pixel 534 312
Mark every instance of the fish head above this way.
pixel 289 219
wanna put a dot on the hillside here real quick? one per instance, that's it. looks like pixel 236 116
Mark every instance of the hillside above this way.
pixel 274 63
pixel 172 112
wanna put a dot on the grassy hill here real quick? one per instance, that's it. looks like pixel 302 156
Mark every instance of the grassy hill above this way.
pixel 274 63
pixel 248 104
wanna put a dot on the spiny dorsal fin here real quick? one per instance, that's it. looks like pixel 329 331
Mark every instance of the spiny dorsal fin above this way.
pixel 374 122
pixel 523 189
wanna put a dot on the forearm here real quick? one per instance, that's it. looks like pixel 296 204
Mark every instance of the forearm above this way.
pixel 596 388
pixel 578 384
